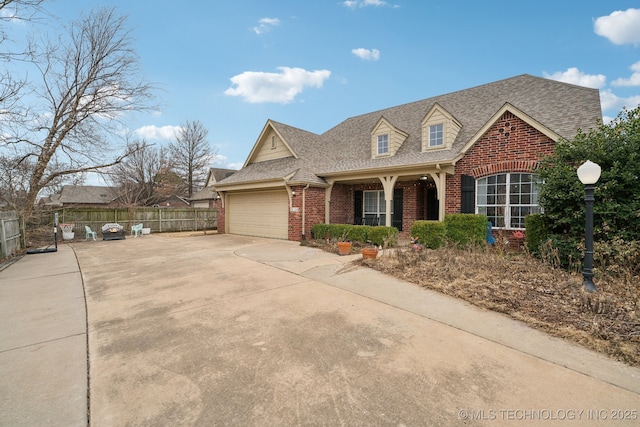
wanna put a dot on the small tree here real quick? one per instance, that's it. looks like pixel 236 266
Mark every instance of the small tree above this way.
pixel 616 148
pixel 190 155
pixel 138 175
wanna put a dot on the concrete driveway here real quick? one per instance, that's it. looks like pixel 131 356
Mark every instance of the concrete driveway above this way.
pixel 229 330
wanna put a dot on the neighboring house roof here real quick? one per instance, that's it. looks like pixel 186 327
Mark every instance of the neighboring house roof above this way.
pixel 82 194
pixel 215 175
pixel 172 200
pixel 557 109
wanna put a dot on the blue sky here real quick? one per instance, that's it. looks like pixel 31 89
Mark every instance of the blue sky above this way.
pixel 233 65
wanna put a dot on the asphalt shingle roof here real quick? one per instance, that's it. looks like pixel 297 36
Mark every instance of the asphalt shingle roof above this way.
pixel 561 107
pixel 86 194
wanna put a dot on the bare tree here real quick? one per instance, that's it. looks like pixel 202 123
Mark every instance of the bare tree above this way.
pixel 137 176
pixel 190 154
pixel 90 80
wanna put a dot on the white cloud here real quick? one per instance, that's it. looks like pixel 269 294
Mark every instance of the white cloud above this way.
pixel 366 54
pixel 612 102
pixel 619 27
pixel 265 25
pixel 577 77
pixel 257 86
pixel 634 80
pixel 353 4
pixel 154 132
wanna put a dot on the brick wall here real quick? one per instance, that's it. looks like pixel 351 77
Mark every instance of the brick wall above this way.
pixel 313 210
pixel 510 145
pixel 221 216
pixel 341 206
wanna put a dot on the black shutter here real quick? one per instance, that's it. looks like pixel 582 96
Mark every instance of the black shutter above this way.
pixel 396 219
pixel 357 207
pixel 468 193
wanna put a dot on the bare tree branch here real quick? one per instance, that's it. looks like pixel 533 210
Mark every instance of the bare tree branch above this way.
pixel 89 83
pixel 190 154
pixel 138 175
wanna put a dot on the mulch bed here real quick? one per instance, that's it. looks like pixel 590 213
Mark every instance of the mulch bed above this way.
pixel 526 289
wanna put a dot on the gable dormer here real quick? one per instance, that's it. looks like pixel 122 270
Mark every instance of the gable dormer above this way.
pixel 385 139
pixel 270 146
pixel 439 129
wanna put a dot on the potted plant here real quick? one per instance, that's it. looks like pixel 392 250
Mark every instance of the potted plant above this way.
pixel 369 252
pixel 344 245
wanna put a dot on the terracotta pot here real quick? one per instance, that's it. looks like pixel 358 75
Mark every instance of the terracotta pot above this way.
pixel 344 248
pixel 369 253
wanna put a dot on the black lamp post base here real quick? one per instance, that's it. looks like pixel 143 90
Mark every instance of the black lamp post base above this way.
pixel 589 286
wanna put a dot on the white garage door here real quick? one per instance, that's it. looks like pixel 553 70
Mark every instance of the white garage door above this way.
pixel 263 214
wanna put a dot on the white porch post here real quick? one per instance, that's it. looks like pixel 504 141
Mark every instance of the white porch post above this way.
pixel 388 182
pixel 327 202
pixel 440 178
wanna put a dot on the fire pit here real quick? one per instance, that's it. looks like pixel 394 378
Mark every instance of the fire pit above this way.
pixel 112 231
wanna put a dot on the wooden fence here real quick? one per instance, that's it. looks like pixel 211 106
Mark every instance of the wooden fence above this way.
pixel 10 236
pixel 157 219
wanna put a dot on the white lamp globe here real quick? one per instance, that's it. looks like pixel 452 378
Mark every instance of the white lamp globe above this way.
pixel 589 172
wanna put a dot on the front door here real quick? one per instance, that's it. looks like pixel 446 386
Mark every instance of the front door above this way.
pixel 396 217
pixel 432 203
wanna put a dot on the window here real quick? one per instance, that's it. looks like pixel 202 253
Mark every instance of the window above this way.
pixel 507 198
pixel 436 135
pixel 383 144
pixel 273 142
pixel 375 206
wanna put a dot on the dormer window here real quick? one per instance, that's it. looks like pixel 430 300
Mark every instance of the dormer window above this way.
pixel 386 139
pixel 383 144
pixel 439 129
pixel 436 135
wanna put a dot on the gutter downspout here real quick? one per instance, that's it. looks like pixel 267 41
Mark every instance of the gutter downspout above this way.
pixel 304 210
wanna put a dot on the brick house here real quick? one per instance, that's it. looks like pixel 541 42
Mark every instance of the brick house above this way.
pixel 471 151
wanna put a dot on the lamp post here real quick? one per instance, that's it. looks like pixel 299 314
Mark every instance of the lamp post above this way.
pixel 588 173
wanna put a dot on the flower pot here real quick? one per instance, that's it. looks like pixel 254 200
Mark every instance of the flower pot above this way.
pixel 344 248
pixel 369 253
pixel 68 235
pixel 146 230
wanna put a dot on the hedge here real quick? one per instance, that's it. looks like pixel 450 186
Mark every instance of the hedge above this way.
pixel 430 234
pixel 464 229
pixel 378 235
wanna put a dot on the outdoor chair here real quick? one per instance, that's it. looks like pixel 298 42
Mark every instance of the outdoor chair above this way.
pixel 136 230
pixel 89 233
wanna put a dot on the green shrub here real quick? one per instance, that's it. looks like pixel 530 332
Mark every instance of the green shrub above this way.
pixel 431 234
pixel 379 235
pixel 383 236
pixel 535 232
pixel 320 231
pixel 465 229
pixel 569 251
pixel 359 233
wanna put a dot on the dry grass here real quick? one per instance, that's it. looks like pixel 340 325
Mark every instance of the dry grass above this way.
pixel 529 290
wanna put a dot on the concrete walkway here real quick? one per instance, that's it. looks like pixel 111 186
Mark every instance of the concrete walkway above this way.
pixel 227 330
pixel 43 342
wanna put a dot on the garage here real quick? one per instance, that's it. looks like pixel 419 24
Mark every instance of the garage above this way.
pixel 260 213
